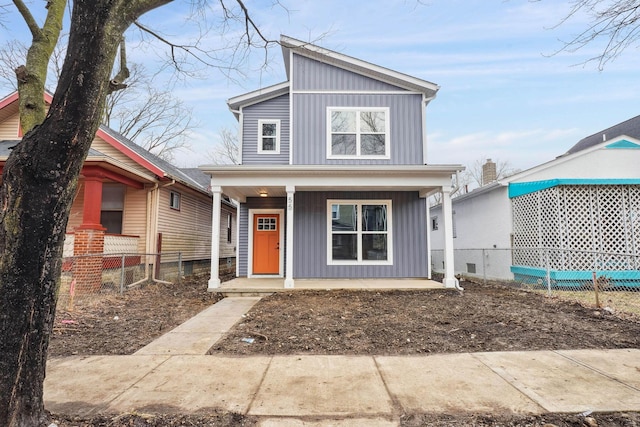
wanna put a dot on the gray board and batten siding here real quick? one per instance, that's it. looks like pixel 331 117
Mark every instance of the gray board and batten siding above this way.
pixel 310 234
pixel 310 127
pixel 408 228
pixel 317 86
pixel 309 74
pixel 272 109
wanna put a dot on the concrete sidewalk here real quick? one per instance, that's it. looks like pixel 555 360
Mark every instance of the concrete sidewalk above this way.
pixel 337 390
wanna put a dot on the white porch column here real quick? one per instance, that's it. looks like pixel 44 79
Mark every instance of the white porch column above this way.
pixel 288 277
pixel 214 281
pixel 429 272
pixel 449 280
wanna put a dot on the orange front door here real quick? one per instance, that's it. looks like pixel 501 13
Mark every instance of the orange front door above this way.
pixel 266 244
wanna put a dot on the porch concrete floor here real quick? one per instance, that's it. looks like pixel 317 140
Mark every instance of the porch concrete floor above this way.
pixel 262 285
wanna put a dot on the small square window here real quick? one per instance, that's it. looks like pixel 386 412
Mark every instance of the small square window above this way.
pixel 174 200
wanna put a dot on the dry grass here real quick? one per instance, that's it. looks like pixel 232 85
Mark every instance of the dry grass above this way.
pixel 624 303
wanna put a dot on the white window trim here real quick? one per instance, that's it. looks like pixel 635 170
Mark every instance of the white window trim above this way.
pixel 387 138
pixel 360 261
pixel 277 137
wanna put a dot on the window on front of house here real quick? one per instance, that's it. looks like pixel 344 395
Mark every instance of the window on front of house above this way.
pixel 359 232
pixel 269 136
pixel 112 208
pixel 358 133
pixel 229 225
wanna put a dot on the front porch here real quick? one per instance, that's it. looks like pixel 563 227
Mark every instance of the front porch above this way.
pixel 243 286
pixel 333 221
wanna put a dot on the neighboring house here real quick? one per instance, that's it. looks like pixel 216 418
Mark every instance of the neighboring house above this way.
pixel 584 207
pixel 333 177
pixel 130 201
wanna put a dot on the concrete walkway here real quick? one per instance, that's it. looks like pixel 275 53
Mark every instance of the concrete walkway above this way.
pixel 173 374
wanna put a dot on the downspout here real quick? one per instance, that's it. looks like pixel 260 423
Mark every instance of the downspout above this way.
pixel 240 125
pixel 148 234
pixel 153 241
pixel 453 191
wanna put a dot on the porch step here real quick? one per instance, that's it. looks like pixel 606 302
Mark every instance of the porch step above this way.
pixel 243 292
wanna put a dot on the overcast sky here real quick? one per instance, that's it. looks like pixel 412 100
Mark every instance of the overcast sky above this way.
pixel 504 93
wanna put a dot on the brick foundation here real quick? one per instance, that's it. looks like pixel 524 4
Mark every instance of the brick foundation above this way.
pixel 87 271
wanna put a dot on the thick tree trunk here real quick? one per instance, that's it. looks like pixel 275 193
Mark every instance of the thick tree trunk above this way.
pixel 39 183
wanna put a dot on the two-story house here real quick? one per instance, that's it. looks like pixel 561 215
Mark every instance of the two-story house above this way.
pixel 334 176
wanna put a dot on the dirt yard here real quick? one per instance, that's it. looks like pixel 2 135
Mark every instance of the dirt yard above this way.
pixel 482 318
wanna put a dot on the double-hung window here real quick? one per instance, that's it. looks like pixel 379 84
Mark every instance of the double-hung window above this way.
pixel 359 232
pixel 269 136
pixel 357 133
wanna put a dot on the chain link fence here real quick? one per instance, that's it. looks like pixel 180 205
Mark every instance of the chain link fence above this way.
pixel 87 278
pixel 601 279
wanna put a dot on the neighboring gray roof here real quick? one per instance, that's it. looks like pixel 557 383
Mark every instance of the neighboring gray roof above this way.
pixel 629 127
pixel 172 171
pixel 197 175
pixel 7 145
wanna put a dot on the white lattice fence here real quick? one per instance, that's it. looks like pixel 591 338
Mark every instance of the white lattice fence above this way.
pixel 581 218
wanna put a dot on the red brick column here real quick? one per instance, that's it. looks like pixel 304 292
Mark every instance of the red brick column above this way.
pixel 88 269
pixel 89 239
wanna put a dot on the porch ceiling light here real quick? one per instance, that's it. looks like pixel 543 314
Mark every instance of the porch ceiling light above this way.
pixel 263 194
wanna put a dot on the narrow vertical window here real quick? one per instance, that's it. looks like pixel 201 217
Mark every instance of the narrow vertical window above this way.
pixel 269 136
pixel 174 200
pixel 229 225
pixel 112 207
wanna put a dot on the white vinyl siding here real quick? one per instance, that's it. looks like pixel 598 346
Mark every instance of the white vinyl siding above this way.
pixel 9 129
pixel 188 230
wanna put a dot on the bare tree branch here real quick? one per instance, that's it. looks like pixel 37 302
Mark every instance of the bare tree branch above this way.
pixel 617 23
pixel 226 151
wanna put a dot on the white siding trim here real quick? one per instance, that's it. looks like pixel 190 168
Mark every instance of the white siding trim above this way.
pixel 356 92
pixel 240 135
pixel 291 107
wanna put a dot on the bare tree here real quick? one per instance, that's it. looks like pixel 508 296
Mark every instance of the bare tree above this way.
pixel 472 177
pixel 40 178
pixel 473 174
pixel 226 150
pixel 615 23
pixel 156 120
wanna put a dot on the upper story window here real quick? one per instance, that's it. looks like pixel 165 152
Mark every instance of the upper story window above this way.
pixel 358 133
pixel 269 136
pixel 174 200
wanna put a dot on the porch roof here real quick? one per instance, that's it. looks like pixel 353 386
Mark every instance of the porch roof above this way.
pixel 242 181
